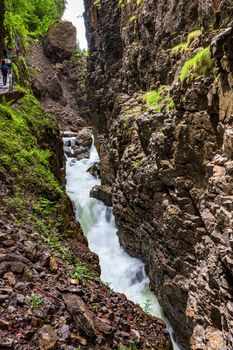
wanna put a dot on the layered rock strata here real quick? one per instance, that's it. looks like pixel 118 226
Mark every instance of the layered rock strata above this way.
pixel 170 164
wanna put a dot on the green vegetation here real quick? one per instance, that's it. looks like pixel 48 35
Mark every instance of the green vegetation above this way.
pixel 34 301
pixel 200 65
pixel 181 48
pixel 159 99
pixel 131 347
pixel 193 35
pixel 170 105
pixel 81 271
pixel 37 198
pixel 20 154
pixel 133 18
pixel 97 3
pixel 153 98
pixel 121 2
pixel 25 18
pixel 147 307
pixel 138 162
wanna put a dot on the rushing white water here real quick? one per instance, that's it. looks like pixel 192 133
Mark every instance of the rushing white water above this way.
pixel 122 272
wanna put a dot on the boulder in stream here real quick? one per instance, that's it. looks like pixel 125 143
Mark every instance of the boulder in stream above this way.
pixel 103 193
pixel 94 170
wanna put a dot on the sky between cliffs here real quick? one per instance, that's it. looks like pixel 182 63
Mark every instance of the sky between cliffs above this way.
pixel 73 12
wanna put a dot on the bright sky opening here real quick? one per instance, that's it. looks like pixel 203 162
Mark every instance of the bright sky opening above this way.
pixel 74 13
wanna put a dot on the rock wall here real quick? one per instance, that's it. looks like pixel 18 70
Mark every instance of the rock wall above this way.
pixel 170 165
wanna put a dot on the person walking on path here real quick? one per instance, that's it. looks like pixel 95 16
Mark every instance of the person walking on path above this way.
pixel 4 69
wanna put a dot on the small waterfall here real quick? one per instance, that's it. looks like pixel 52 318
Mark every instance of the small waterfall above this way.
pixel 123 273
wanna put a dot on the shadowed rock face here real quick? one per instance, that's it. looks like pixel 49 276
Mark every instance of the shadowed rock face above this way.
pixel 170 170
pixel 60 42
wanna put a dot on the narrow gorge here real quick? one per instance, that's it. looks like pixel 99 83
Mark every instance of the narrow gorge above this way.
pixel 116 175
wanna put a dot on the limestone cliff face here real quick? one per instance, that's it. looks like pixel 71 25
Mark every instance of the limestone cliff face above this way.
pixel 171 167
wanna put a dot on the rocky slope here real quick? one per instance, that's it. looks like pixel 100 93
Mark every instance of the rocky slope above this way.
pixel 168 153
pixel 51 296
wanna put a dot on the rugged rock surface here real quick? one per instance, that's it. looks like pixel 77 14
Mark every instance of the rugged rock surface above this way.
pixel 60 42
pixel 103 193
pixel 43 307
pixel 170 169
pixel 60 87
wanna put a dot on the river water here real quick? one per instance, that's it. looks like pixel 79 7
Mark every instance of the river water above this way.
pixel 123 273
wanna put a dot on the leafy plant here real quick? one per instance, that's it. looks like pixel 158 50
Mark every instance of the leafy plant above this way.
pixel 29 17
pixel 147 307
pixel 81 271
pixel 35 300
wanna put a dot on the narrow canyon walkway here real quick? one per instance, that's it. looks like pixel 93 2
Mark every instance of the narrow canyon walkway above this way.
pixel 5 88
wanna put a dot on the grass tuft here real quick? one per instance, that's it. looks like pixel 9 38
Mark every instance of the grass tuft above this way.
pixel 181 48
pixel 193 35
pixel 200 65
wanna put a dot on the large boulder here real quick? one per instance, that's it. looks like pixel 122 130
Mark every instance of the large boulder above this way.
pixel 60 42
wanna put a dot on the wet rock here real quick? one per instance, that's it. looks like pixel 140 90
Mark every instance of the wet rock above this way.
pixel 47 338
pixel 84 138
pixel 103 193
pixel 81 314
pixel 94 170
pixel 60 42
pixel 68 133
pixel 80 152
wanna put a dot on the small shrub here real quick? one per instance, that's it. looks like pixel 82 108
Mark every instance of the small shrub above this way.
pixel 200 65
